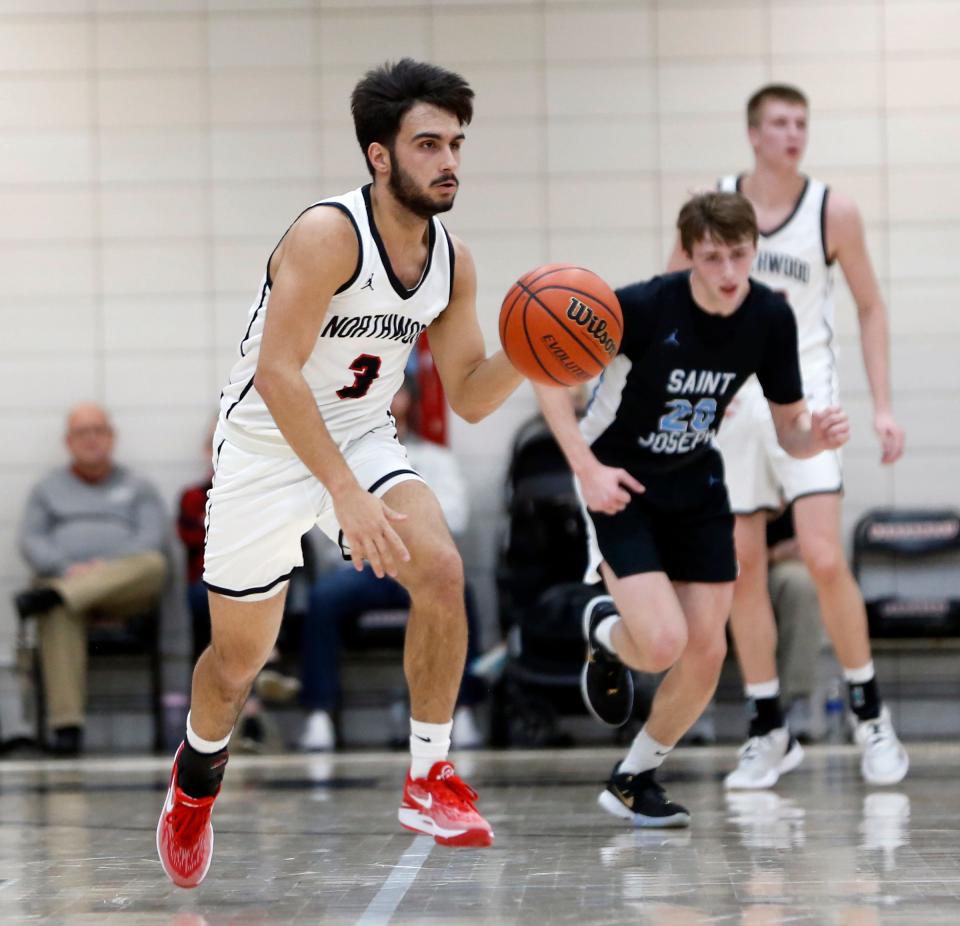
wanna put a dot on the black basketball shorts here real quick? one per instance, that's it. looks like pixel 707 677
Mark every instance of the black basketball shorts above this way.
pixel 682 525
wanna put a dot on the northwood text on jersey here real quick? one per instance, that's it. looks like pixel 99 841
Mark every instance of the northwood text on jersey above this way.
pixel 783 264
pixel 391 327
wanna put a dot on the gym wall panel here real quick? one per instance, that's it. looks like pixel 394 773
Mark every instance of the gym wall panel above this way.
pixel 161 43
pixel 153 151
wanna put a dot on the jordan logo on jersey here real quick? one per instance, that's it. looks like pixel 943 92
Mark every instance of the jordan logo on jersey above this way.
pixel 368 284
pixel 671 340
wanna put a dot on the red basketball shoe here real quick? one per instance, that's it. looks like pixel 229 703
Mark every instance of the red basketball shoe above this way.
pixel 441 805
pixel 185 834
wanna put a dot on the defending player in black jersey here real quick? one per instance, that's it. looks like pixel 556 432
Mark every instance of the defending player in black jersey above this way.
pixel 658 515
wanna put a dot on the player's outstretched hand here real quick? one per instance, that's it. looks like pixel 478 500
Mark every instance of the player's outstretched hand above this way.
pixel 831 428
pixel 892 438
pixel 605 488
pixel 365 522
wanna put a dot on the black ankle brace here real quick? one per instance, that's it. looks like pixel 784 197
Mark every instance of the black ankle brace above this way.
pixel 199 773
pixel 767 716
pixel 865 699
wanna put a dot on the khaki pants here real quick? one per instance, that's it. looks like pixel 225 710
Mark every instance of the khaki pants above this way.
pixel 794 598
pixel 116 588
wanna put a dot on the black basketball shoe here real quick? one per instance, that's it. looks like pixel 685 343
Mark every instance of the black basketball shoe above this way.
pixel 639 799
pixel 605 682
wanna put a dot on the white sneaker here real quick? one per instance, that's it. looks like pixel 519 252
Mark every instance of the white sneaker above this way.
pixel 885 761
pixel 763 759
pixel 465 733
pixel 318 735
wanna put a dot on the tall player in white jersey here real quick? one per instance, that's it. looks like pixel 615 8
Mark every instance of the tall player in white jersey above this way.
pixel 804 230
pixel 305 438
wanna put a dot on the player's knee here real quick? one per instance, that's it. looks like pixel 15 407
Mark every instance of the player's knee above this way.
pixel 825 562
pixel 451 564
pixel 664 648
pixel 236 666
pixel 709 651
pixel 441 575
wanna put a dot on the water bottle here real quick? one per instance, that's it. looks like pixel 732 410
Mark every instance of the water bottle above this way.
pixel 833 708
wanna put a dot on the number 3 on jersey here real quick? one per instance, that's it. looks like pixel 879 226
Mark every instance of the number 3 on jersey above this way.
pixel 366 368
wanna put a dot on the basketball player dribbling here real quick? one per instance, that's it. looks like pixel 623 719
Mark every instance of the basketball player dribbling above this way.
pixel 305 438
pixel 658 516
pixel 805 229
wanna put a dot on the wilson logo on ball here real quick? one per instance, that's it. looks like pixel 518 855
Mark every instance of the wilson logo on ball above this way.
pixel 582 314
pixel 560 324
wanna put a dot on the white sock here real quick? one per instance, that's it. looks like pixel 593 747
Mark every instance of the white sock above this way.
pixel 604 631
pixel 859 676
pixel 757 690
pixel 202 745
pixel 429 743
pixel 645 753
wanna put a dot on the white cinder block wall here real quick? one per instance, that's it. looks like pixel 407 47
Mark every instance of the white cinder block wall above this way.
pixel 151 151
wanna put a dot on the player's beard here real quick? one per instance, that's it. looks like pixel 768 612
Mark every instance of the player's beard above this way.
pixel 411 197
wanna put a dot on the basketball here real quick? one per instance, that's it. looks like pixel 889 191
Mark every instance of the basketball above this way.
pixel 560 325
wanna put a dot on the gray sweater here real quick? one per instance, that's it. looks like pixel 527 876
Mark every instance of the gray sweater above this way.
pixel 70 521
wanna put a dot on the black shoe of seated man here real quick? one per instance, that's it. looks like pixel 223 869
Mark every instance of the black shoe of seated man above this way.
pixel 36 601
pixel 66 742
pixel 252 736
pixel 605 682
pixel 638 797
pixel 20 747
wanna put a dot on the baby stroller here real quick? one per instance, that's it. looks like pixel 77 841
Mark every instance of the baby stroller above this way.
pixel 540 566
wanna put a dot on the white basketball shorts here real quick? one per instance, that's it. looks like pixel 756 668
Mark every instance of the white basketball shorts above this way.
pixel 760 474
pixel 261 505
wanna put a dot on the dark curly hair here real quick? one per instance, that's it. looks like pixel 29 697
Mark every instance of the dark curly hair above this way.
pixel 385 95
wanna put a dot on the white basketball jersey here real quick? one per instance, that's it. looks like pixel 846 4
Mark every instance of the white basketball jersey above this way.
pixel 792 259
pixel 371 325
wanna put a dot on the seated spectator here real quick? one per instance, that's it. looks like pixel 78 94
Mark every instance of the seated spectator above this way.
pixel 253 728
pixel 344 594
pixel 93 534
pixel 797 610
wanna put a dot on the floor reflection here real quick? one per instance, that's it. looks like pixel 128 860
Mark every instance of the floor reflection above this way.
pixel 765 820
pixel 314 839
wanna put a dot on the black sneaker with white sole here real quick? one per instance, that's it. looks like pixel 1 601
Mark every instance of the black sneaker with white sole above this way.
pixel 605 682
pixel 639 799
